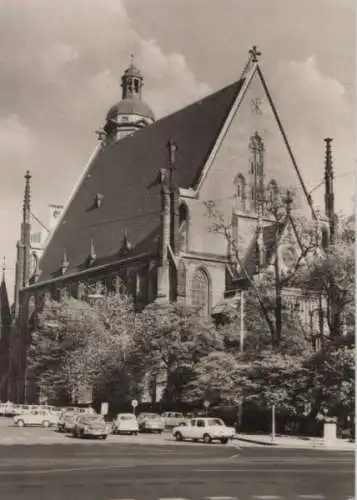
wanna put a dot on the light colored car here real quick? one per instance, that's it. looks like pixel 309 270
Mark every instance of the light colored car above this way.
pixel 205 429
pixel 91 425
pixel 36 417
pixel 173 418
pixel 125 423
pixel 151 422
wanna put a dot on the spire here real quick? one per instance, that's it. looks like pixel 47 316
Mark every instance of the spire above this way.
pixel 3 268
pixel 27 199
pixel 25 242
pixel 329 191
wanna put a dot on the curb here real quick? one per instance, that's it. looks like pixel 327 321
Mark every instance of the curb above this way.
pixel 315 446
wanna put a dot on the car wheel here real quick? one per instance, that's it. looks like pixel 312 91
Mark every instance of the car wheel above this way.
pixel 135 433
pixel 159 431
pixel 81 433
pixel 195 440
pixel 45 423
pixel 224 440
pixel 207 439
pixel 178 436
pixel 20 423
pixel 104 436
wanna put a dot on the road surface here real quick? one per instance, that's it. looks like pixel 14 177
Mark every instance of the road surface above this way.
pixel 113 471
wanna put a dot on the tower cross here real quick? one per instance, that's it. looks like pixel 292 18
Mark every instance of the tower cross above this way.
pixel 254 53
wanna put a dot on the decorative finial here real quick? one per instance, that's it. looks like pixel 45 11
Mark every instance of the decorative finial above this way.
pixel 328 157
pixel 288 201
pixel 254 54
pixel 126 246
pixel 27 197
pixel 65 262
pixel 92 255
pixel 171 145
pixel 3 268
pixel 132 59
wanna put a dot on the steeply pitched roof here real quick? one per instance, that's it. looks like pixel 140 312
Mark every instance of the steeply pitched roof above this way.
pixel 125 173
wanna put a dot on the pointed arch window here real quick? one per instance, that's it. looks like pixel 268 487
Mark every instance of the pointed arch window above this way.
pixel 239 192
pixel 183 227
pixel 200 292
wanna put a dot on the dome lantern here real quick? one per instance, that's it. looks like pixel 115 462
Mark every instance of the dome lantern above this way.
pixel 131 113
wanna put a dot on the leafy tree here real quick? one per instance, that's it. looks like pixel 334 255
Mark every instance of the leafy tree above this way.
pixel 172 338
pixel 63 328
pixel 78 346
pixel 268 285
pixel 294 339
pixel 332 379
pixel 332 274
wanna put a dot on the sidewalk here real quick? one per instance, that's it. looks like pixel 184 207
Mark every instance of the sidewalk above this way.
pixel 296 442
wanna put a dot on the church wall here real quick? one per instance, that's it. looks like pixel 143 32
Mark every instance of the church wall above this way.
pixel 216 274
pixel 234 157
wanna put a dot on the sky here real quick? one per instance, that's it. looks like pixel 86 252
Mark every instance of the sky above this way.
pixel 61 63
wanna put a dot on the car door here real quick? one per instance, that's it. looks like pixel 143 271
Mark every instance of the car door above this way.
pixel 200 428
pixel 189 431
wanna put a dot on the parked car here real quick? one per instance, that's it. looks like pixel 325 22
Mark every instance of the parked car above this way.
pixel 173 419
pixel 151 422
pixel 68 417
pixel 91 426
pixel 205 429
pixel 125 423
pixel 36 417
pixel 67 421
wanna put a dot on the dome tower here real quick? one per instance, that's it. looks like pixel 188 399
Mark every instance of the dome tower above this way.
pixel 131 113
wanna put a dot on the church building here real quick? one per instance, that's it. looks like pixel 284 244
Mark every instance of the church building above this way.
pixel 147 204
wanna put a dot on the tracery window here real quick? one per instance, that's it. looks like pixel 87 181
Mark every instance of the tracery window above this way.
pixel 256 146
pixel 200 292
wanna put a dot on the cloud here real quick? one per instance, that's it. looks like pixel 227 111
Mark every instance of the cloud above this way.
pixel 60 68
pixel 15 137
pixel 315 105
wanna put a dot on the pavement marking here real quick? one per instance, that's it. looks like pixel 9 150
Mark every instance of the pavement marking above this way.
pixel 311 497
pixel 267 497
pixel 301 471
pixel 221 498
pixel 172 498
pixel 67 469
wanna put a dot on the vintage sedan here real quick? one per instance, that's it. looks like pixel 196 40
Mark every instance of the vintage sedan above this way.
pixel 125 423
pixel 173 419
pixel 205 429
pixel 151 422
pixel 91 426
pixel 43 418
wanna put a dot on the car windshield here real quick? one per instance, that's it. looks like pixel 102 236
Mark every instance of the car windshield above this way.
pixel 92 418
pixel 126 417
pixel 214 421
